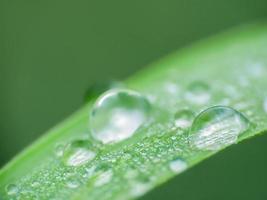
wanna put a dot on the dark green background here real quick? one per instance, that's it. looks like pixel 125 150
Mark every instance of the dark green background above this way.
pixel 51 51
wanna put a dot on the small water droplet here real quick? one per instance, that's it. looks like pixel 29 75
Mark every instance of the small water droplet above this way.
pixel 103 178
pixel 184 118
pixel 78 153
pixel 198 93
pixel 72 183
pixel 35 184
pixel 217 127
pixel 138 189
pixel 12 189
pixel 59 150
pixel 117 114
pixel 89 172
pixel 178 165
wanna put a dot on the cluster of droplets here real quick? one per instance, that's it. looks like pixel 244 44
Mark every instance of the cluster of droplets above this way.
pixel 117 115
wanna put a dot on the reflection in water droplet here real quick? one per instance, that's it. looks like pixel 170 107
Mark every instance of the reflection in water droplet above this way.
pixel 78 153
pixel 178 165
pixel 184 118
pixel 12 189
pixel 198 93
pixel 217 127
pixel 117 114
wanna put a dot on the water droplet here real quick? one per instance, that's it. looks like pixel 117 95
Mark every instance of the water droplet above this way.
pixel 184 118
pixel 103 178
pixel 78 153
pixel 59 150
pixel 12 189
pixel 89 172
pixel 100 87
pixel 72 183
pixel 217 127
pixel 198 93
pixel 178 165
pixel 117 114
pixel 35 184
pixel 139 189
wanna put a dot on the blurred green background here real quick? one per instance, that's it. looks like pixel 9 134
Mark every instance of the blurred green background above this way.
pixel 51 51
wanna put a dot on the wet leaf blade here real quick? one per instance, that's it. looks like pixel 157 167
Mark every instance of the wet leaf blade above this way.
pixel 234 65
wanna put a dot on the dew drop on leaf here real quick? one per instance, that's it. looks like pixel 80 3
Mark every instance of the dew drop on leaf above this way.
pixel 59 150
pixel 177 165
pixel 78 153
pixel 217 127
pixel 89 172
pixel 184 118
pixel 100 87
pixel 139 189
pixel 117 114
pixel 12 189
pixel 198 93
pixel 103 178
pixel 72 183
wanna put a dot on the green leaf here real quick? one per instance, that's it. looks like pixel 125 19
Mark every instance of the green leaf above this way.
pixel 232 67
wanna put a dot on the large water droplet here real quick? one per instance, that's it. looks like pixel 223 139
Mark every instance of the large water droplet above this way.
pixel 178 165
pixel 12 189
pixel 184 118
pixel 217 127
pixel 100 87
pixel 198 93
pixel 78 153
pixel 117 114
